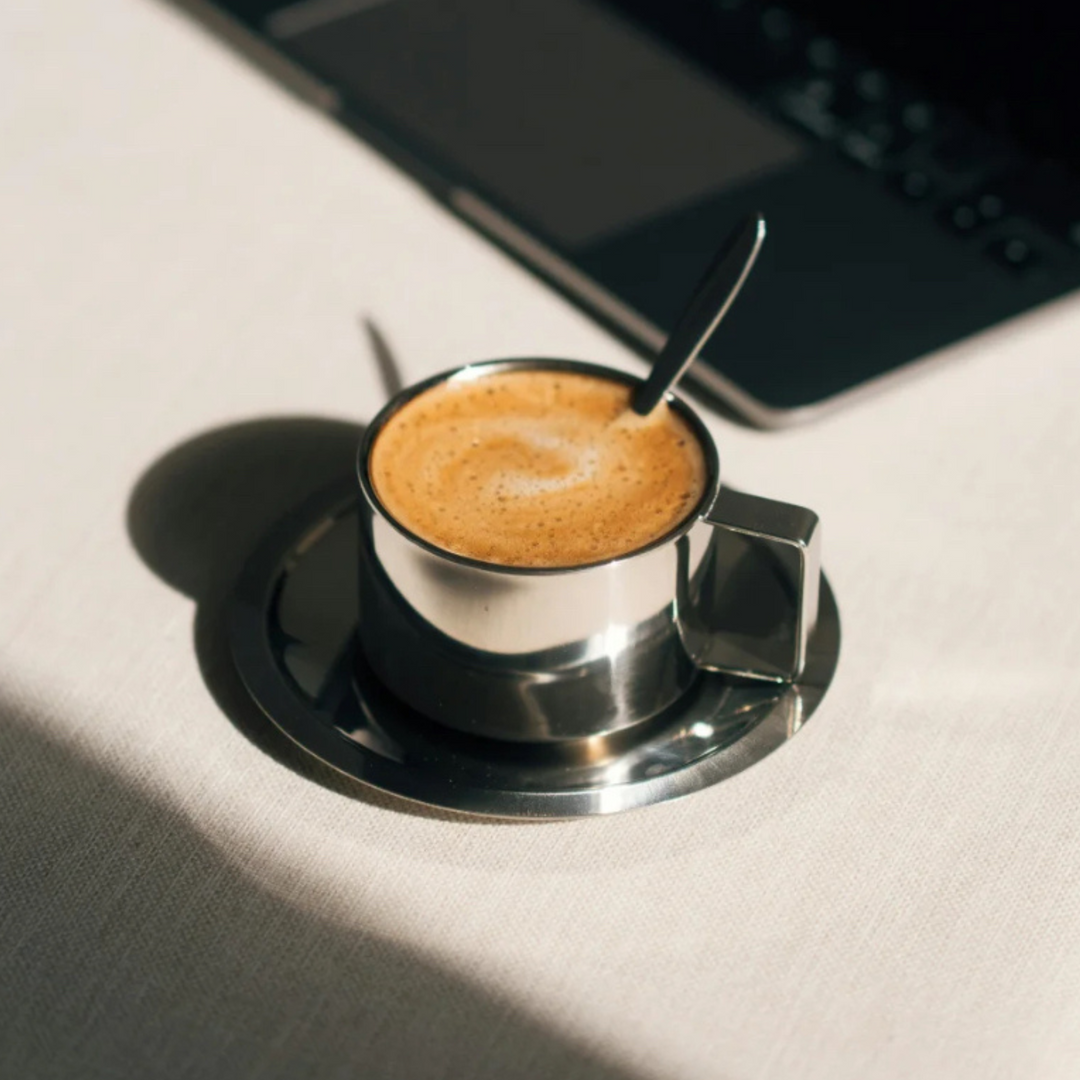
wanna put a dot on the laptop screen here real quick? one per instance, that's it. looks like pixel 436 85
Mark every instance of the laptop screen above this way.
pixel 1011 66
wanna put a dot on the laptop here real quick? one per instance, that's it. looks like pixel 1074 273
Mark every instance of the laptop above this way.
pixel 918 164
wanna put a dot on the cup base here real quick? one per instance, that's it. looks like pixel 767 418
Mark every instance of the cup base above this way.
pixel 293 629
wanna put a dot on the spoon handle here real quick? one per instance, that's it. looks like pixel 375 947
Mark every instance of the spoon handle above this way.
pixel 712 298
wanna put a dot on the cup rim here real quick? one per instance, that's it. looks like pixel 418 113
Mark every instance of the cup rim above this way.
pixel 480 368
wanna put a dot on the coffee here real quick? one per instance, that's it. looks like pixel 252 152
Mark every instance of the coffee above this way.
pixel 542 468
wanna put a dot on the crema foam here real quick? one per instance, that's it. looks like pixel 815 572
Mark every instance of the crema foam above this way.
pixel 540 468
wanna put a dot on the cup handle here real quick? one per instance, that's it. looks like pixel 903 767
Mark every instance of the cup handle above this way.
pixel 751 604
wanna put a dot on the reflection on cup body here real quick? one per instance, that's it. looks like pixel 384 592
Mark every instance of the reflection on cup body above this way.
pixel 539 564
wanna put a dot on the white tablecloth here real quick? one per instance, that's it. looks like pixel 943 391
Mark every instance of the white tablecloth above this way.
pixel 184 250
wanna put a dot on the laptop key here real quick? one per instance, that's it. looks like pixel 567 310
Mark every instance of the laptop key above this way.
pixel 872 86
pixel 963 218
pixel 810 113
pixel 889 138
pixel 914 184
pixel 862 150
pixel 990 206
pixel 918 117
pixel 778 26
pixel 1015 253
pixel 974 212
pixel 823 54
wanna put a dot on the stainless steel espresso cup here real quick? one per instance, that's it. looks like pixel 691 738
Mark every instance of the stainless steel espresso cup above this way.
pixel 544 654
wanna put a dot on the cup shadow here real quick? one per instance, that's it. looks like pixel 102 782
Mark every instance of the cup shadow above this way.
pixel 135 947
pixel 197 513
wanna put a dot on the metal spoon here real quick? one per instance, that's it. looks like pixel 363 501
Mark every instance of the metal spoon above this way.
pixel 711 299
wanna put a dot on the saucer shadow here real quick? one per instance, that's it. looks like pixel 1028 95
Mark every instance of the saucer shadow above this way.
pixel 199 511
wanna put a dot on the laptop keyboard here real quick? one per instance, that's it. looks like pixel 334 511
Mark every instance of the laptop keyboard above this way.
pixel 1024 216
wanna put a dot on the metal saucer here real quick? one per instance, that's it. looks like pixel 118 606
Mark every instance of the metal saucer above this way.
pixel 292 625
